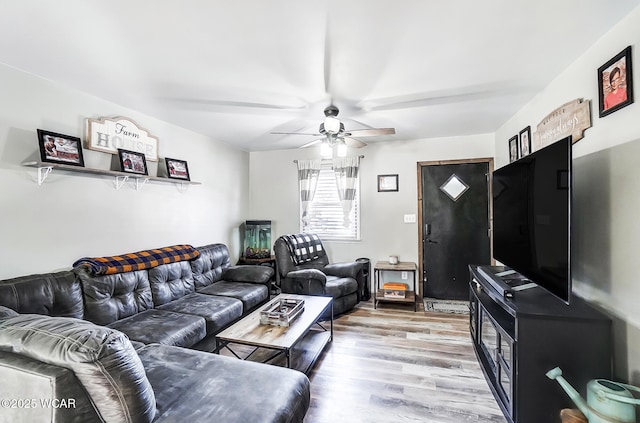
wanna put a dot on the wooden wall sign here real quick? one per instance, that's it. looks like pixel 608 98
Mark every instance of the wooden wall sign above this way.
pixel 110 134
pixel 572 118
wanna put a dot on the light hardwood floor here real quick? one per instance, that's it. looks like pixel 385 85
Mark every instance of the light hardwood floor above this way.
pixel 395 365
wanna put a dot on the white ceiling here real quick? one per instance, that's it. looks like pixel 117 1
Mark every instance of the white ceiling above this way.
pixel 238 70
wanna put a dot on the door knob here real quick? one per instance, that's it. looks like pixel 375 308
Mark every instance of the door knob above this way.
pixel 427 231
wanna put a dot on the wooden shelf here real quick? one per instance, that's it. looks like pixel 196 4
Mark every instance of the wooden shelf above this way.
pixel 44 169
pixel 398 267
pixel 410 297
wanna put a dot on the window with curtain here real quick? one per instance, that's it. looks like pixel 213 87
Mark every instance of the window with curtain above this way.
pixel 333 212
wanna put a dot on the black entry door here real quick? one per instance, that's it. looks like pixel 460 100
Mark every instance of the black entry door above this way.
pixel 455 229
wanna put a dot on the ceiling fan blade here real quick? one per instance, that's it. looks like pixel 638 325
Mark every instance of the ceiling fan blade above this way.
pixel 295 133
pixel 449 96
pixel 240 104
pixel 352 142
pixel 372 132
pixel 309 144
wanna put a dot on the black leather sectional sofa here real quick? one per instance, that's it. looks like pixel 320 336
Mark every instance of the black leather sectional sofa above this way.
pixel 136 346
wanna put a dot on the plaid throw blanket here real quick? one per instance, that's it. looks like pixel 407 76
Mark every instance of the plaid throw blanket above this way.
pixel 137 261
pixel 303 247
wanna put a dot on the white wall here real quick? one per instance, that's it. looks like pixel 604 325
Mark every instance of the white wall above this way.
pixel 606 190
pixel 46 228
pixel 274 192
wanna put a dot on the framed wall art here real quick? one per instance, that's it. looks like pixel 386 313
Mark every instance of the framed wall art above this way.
pixel 387 183
pixel 615 83
pixel 60 148
pixel 177 169
pixel 132 162
pixel 525 141
pixel 109 134
pixel 513 149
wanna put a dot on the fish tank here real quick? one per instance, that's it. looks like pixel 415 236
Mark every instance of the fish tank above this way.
pixel 257 239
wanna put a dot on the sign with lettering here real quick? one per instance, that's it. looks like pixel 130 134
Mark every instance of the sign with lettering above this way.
pixel 109 134
pixel 572 118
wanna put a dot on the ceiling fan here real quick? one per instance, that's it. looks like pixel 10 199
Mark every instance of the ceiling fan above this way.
pixel 334 134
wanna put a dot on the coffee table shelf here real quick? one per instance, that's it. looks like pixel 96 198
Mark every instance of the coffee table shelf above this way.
pixel 297 346
pixel 302 357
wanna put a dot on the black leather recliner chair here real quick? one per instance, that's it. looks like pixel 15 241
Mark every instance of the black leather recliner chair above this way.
pixel 310 273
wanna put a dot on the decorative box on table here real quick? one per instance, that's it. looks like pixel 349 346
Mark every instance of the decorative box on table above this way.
pixel 281 312
pixel 395 290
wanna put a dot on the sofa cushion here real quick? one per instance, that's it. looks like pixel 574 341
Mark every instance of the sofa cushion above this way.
pixel 339 287
pixel 163 327
pixel 7 312
pixel 52 294
pixel 222 389
pixel 109 298
pixel 218 312
pixel 250 294
pixel 171 281
pixel 248 273
pixel 102 359
pixel 208 267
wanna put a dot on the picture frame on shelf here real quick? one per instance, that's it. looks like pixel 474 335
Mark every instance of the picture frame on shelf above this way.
pixel 177 169
pixel 615 83
pixel 60 148
pixel 513 149
pixel 525 142
pixel 132 162
pixel 388 183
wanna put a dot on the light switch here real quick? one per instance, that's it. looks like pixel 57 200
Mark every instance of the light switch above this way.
pixel 409 218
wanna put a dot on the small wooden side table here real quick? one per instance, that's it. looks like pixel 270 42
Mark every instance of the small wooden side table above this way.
pixel 378 291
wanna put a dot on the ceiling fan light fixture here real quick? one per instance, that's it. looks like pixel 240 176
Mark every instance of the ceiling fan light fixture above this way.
pixel 331 125
pixel 335 135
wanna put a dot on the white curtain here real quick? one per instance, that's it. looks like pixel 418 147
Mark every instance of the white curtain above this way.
pixel 346 172
pixel 308 173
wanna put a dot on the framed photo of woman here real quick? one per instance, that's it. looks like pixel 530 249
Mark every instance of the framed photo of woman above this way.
pixel 615 83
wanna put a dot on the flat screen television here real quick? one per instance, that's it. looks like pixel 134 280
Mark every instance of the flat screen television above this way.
pixel 532 217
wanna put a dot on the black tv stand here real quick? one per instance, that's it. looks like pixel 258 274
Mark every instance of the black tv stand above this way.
pixel 518 339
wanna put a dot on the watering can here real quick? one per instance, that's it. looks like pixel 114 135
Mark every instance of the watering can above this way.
pixel 607 402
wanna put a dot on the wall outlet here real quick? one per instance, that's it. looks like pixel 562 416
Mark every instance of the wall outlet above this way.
pixel 404 275
pixel 409 218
